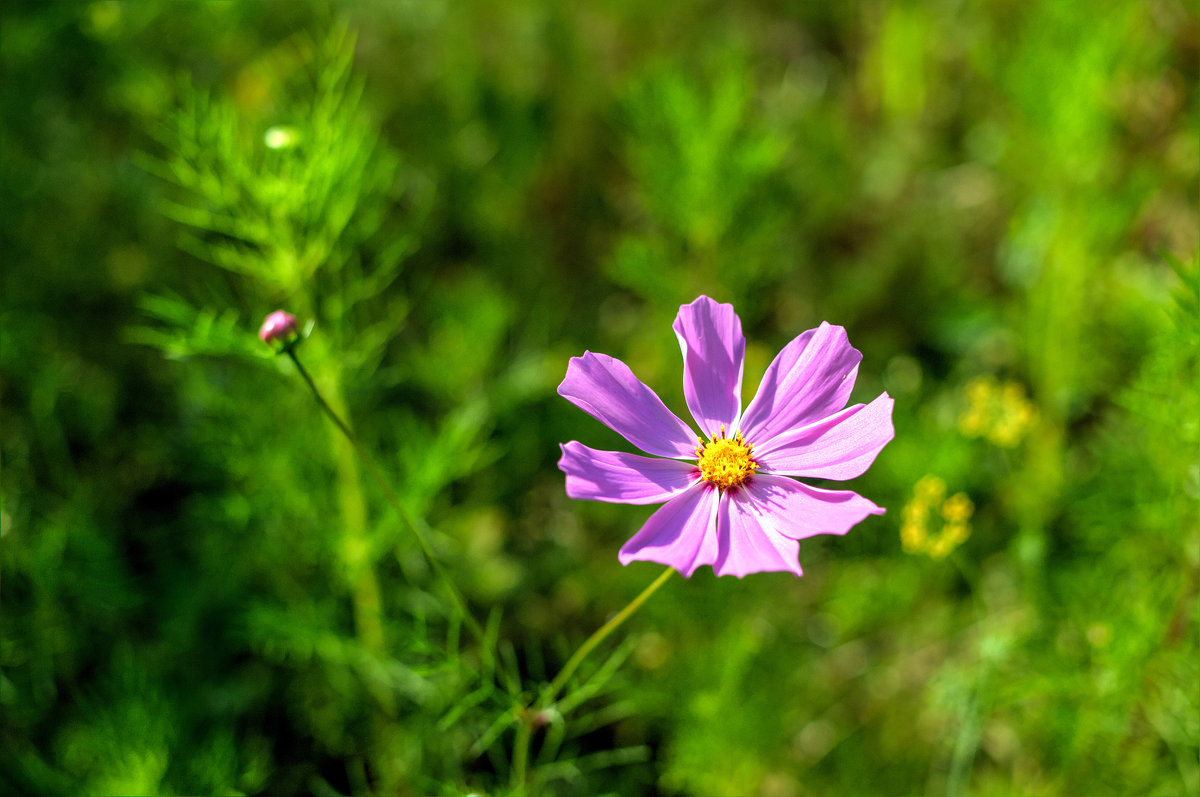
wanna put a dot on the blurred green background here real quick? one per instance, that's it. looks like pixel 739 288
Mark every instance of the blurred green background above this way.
pixel 203 593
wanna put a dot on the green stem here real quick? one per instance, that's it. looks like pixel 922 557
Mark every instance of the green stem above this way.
pixel 529 716
pixel 392 498
pixel 969 573
pixel 521 749
pixel 365 594
pixel 551 692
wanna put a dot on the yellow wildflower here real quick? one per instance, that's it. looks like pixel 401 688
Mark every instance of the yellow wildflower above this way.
pixel 928 501
pixel 957 509
pixel 997 411
pixel 930 489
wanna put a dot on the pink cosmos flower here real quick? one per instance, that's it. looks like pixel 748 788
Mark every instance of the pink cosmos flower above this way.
pixel 731 501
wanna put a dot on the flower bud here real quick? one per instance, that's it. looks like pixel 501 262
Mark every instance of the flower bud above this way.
pixel 279 326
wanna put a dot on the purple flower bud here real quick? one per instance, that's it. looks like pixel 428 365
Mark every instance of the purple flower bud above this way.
pixel 279 326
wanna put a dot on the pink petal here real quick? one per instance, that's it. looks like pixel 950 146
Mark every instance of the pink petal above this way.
pixel 798 511
pixel 710 336
pixel 606 389
pixel 623 478
pixel 680 534
pixel 748 540
pixel 840 447
pixel 809 379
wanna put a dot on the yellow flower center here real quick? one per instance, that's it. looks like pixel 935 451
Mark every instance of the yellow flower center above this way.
pixel 725 461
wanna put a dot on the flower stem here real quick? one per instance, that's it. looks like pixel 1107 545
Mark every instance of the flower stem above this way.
pixel 551 692
pixel 390 495
pixel 521 749
pixel 529 716
pixel 363 585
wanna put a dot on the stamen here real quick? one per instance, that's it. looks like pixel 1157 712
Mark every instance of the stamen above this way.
pixel 725 461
